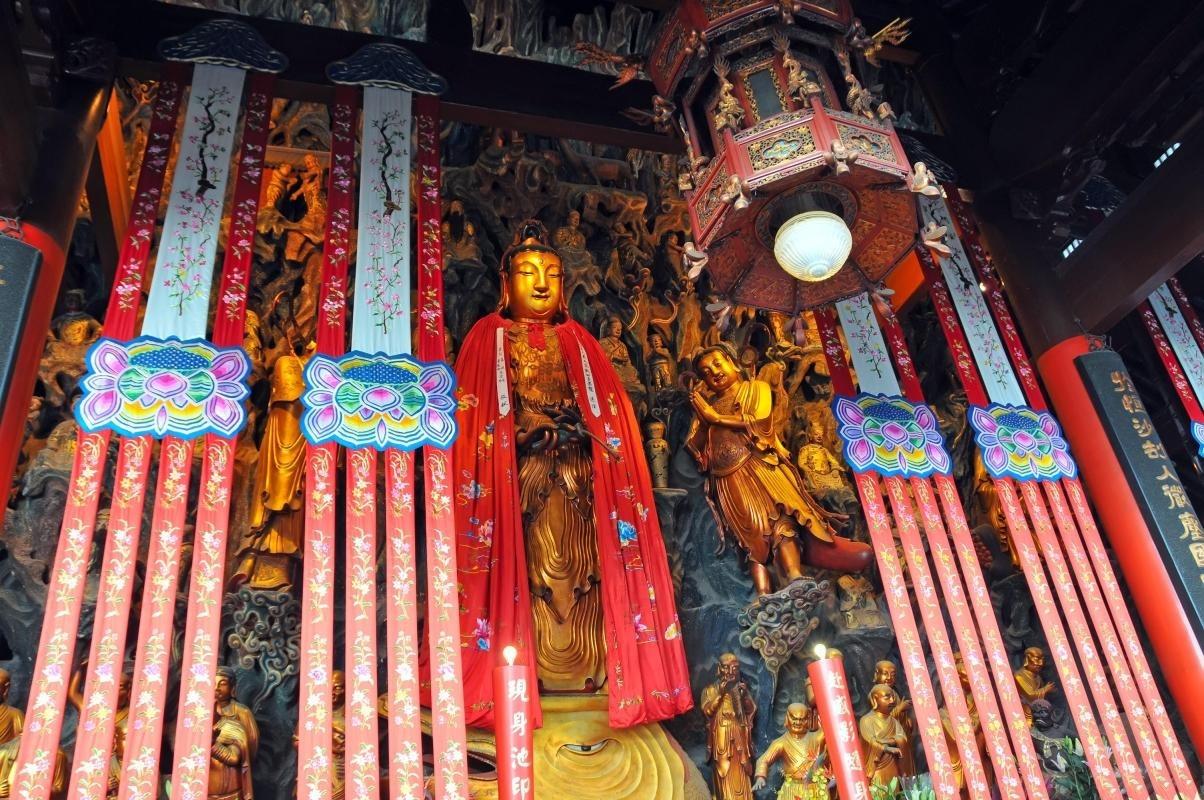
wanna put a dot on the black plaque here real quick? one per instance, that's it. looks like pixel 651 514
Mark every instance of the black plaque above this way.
pixel 1160 495
pixel 19 265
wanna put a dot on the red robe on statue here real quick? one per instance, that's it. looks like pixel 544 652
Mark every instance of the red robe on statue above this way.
pixel 647 674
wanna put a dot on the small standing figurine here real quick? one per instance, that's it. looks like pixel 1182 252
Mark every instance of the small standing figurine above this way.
pixel 801 751
pixel 757 490
pixel 729 708
pixel 1033 687
pixel 12 721
pixel 886 673
pixel 884 738
pixel 660 363
pixel 611 338
pixel 226 706
pixel 229 761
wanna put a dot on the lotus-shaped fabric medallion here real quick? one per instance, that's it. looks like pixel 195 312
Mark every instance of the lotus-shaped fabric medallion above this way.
pixel 378 401
pixel 164 387
pixel 890 436
pixel 1021 443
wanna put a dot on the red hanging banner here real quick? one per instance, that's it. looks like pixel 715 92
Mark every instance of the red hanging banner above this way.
pixel 915 666
pixel 56 649
pixel 443 605
pixel 314 736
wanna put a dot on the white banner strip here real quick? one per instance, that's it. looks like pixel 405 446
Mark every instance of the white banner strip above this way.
pixel 1166 308
pixel 179 295
pixel 381 319
pixel 867 348
pixel 992 357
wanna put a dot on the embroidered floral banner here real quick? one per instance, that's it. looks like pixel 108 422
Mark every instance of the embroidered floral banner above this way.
pixel 179 295
pixel 977 321
pixel 867 348
pixel 890 436
pixel 380 322
pixel 160 388
pixel 1021 443
pixel 378 401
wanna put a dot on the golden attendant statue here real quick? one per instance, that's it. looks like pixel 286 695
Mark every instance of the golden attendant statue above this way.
pixel 12 721
pixel 756 489
pixel 884 738
pixel 10 750
pixel 269 556
pixel 801 750
pixel 886 673
pixel 729 709
pixel 229 761
pixel 1029 681
pixel 226 706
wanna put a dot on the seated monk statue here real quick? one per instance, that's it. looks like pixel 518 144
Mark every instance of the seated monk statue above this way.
pixel 12 721
pixel 801 751
pixel 559 548
pixel 1030 683
pixel 756 489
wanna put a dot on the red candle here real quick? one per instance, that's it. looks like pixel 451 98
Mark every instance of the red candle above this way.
pixel 512 727
pixel 839 724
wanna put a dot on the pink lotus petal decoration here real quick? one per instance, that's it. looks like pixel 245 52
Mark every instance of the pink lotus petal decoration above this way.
pixel 1018 442
pixel 378 401
pixel 164 387
pixel 890 436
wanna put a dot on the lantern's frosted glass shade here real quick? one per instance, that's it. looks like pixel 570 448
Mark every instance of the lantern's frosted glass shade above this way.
pixel 813 246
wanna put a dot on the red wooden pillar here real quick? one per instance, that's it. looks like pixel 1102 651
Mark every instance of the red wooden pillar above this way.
pixel 64 155
pixel 1175 644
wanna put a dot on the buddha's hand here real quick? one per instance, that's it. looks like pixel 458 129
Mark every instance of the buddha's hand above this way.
pixel 901 708
pixel 759 784
pixel 537 438
pixel 701 407
pixel 570 425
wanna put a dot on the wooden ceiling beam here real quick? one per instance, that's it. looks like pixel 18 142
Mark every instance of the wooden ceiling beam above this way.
pixel 485 89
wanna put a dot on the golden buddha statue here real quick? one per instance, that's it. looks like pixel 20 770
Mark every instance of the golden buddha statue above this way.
pixel 886 674
pixel 1029 681
pixel 555 503
pixel 12 720
pixel 801 751
pixel 224 705
pixel 9 770
pixel 822 471
pixel 729 709
pixel 757 490
pixel 884 738
pixel 269 555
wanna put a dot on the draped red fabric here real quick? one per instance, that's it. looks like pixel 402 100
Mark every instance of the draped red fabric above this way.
pixel 646 665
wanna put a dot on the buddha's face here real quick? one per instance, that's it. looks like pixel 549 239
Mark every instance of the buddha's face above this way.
pixel 614 327
pixel 338 689
pixel 718 370
pixel 883 698
pixel 534 285
pixel 885 673
pixel 796 718
pixel 1034 659
pixel 574 219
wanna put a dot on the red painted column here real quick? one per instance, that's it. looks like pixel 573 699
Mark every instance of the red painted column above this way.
pixel 1175 644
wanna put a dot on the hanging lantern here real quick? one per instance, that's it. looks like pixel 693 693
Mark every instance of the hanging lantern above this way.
pixel 813 246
